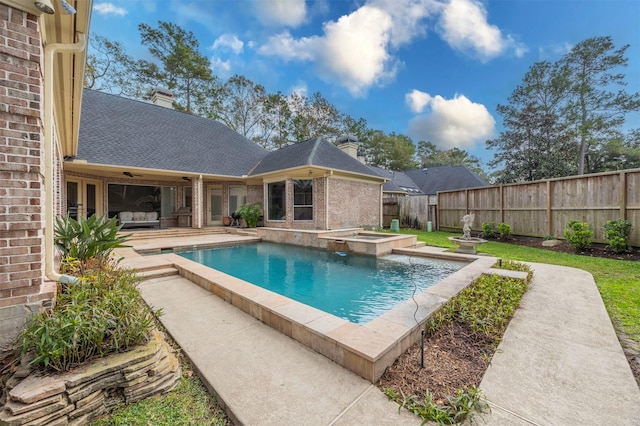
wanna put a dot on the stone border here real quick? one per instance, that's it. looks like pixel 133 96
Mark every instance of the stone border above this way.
pixel 89 391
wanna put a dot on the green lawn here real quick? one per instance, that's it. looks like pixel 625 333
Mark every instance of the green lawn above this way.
pixel 617 280
pixel 188 404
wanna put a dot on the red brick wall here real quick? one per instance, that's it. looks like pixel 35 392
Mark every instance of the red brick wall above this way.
pixel 353 204
pixel 21 168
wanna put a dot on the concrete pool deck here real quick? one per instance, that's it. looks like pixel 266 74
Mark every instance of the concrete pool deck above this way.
pixel 559 363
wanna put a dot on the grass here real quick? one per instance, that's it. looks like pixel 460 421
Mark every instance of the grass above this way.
pixel 189 403
pixel 617 280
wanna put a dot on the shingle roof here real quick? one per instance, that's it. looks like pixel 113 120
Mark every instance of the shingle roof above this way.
pixel 313 152
pixel 398 182
pixel 444 178
pixel 129 133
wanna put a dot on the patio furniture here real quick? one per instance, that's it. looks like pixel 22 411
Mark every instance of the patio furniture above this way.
pixel 138 219
pixel 235 219
pixel 184 217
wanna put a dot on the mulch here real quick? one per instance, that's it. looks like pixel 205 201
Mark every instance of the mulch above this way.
pixel 454 358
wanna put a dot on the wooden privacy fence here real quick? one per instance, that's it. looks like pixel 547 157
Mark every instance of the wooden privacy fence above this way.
pixel 417 211
pixel 543 208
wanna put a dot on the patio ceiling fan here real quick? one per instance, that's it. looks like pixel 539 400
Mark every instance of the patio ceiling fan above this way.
pixel 129 174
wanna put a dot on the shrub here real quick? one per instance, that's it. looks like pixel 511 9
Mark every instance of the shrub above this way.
pixel 460 408
pixel 250 213
pixel 487 305
pixel 618 233
pixel 489 230
pixel 578 234
pixel 505 230
pixel 101 314
pixel 87 238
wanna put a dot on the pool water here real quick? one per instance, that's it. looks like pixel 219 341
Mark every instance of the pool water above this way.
pixel 354 287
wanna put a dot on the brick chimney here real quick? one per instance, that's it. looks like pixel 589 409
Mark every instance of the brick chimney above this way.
pixel 162 97
pixel 350 145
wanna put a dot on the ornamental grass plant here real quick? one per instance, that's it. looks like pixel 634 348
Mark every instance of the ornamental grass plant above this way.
pixel 99 313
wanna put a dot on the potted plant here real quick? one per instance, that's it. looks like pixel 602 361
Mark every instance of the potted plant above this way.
pixel 250 213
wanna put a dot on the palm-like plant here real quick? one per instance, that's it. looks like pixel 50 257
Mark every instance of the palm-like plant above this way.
pixel 84 239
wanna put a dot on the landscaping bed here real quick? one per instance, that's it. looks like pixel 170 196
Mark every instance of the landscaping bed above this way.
pixel 596 250
pixel 441 384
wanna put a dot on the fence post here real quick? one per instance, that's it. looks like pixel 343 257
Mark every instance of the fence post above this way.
pixel 623 195
pixel 549 224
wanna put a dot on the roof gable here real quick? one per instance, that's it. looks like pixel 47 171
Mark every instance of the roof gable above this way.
pixel 313 152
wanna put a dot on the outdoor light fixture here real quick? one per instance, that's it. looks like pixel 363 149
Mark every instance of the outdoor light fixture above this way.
pixel 67 7
pixel 45 6
pixel 186 178
pixel 128 174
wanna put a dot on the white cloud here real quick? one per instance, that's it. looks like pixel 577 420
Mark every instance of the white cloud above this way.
pixel 453 123
pixel 417 100
pixel 300 89
pixel 355 49
pixel 463 25
pixel 228 41
pixel 220 66
pixel 554 51
pixel 408 17
pixel 109 9
pixel 290 13
pixel 352 51
pixel 288 48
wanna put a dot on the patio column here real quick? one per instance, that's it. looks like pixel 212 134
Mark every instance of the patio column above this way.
pixel 198 202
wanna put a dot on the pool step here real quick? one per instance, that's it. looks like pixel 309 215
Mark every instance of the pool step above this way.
pixel 246 232
pixel 172 232
pixel 157 273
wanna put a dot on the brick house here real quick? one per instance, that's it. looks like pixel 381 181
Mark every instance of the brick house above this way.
pixel 41 72
pixel 65 150
pixel 147 157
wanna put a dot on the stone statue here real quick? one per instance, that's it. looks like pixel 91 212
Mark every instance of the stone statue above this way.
pixel 467 221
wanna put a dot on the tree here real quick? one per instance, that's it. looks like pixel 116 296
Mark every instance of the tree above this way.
pixel 392 151
pixel 276 123
pixel 536 142
pixel 313 117
pixel 182 68
pixel 109 69
pixel 428 155
pixel 242 107
pixel 594 109
pixel 350 126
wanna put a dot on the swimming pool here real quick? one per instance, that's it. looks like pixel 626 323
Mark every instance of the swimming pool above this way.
pixel 354 287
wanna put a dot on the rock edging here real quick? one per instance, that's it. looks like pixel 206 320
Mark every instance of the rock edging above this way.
pixel 87 392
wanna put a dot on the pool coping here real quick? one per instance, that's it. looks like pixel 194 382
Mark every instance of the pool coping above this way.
pixel 367 349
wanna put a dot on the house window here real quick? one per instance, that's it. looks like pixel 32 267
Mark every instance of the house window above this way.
pixel 277 207
pixel 168 201
pixel 237 197
pixel 303 199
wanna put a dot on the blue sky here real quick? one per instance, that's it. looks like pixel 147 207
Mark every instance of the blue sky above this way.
pixel 430 69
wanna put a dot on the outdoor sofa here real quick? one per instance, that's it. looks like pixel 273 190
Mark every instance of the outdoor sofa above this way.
pixel 138 219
